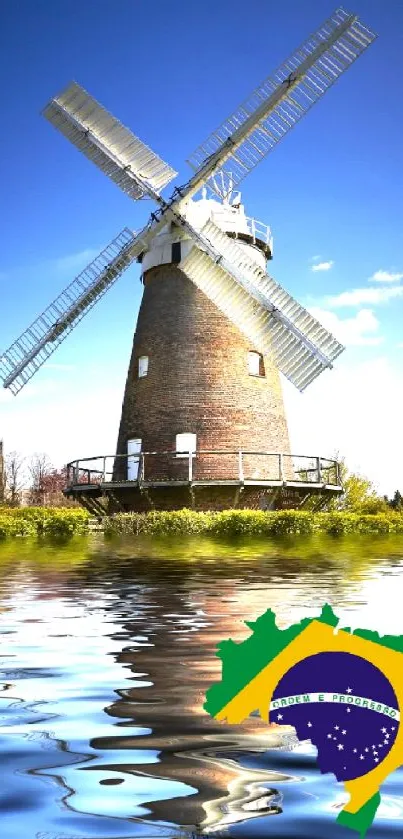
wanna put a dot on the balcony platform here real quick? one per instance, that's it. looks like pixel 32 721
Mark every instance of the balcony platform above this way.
pixel 203 480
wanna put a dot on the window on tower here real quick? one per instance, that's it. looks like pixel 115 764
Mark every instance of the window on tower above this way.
pixel 176 253
pixel 143 366
pixel 255 364
pixel 186 444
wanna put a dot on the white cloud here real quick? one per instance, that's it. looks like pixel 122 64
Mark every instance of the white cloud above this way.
pixel 56 409
pixel 358 296
pixel 323 266
pixel 386 277
pixel 73 262
pixel 5 396
pixel 350 331
pixel 354 409
pixel 50 365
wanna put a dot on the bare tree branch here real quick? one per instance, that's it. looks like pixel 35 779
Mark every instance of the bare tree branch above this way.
pixel 14 465
pixel 39 468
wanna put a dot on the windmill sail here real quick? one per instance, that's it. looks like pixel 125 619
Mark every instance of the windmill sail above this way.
pixel 272 109
pixel 274 322
pixel 23 358
pixel 105 141
pixel 261 308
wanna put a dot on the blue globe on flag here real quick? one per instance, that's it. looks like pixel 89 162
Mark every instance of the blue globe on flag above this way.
pixel 345 706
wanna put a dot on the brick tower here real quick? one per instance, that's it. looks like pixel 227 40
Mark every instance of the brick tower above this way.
pixel 194 380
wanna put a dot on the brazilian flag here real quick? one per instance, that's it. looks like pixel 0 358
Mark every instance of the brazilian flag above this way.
pixel 340 689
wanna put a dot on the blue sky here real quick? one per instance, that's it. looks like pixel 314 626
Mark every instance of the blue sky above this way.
pixel 331 190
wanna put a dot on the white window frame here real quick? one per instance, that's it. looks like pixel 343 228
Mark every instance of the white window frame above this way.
pixel 186 444
pixel 254 360
pixel 133 458
pixel 142 366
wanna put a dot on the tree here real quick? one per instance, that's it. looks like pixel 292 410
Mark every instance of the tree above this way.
pixel 47 483
pixel 53 486
pixel 14 466
pixel 39 468
pixel 2 474
pixel 397 501
pixel 359 495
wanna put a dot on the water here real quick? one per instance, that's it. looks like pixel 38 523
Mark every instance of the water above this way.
pixel 107 652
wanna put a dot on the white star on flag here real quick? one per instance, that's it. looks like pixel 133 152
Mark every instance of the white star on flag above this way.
pixel 340 747
pixel 349 690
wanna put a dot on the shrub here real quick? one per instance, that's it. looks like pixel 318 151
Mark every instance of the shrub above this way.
pixel 53 521
pixel 10 526
pixel 32 521
pixel 253 522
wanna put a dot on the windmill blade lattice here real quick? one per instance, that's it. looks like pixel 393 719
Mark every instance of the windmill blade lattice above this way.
pixel 24 357
pixel 270 317
pixel 105 141
pixel 281 100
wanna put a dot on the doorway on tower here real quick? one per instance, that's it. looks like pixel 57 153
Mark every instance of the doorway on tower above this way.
pixel 133 458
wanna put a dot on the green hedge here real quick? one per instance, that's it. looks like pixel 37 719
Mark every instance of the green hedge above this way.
pixel 256 522
pixel 53 521
pixel 34 521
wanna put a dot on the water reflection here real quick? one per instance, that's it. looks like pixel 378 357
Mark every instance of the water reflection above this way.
pixel 107 653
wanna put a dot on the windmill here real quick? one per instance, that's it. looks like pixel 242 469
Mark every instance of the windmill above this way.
pixel 203 415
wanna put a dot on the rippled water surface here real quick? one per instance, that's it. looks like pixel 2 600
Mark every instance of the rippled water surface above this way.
pixel 107 651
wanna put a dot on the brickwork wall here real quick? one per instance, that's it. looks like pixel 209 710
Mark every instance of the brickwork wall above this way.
pixel 198 379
